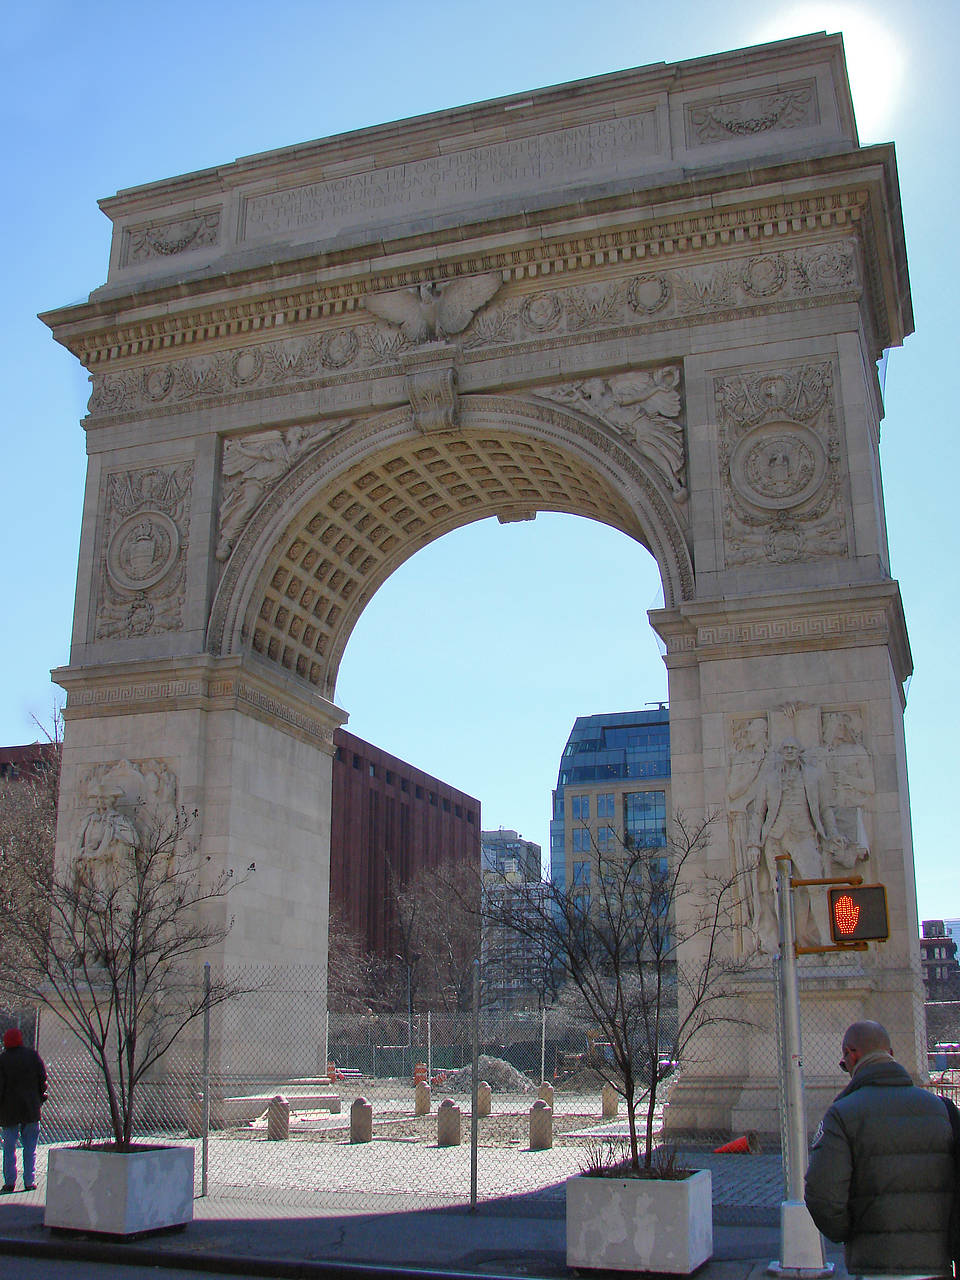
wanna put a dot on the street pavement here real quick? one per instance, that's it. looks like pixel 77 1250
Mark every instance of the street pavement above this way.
pixel 246 1232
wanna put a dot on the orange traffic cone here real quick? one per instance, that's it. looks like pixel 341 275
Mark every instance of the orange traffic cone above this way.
pixel 747 1145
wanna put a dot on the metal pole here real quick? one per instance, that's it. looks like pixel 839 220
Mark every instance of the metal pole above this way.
pixel 205 1145
pixel 474 1087
pixel 429 1050
pixel 543 1045
pixel 801 1245
pixel 326 1043
pixel 409 1021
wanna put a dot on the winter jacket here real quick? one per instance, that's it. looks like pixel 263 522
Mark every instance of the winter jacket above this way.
pixel 881 1173
pixel 23 1086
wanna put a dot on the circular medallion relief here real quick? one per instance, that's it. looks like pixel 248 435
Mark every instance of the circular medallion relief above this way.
pixel 157 382
pixel 541 312
pixel 143 550
pixel 339 348
pixel 246 366
pixel 778 466
pixel 648 294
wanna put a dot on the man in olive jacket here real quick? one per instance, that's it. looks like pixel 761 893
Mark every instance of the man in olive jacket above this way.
pixel 881 1173
pixel 23 1089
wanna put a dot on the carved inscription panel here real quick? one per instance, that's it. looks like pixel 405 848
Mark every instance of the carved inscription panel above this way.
pixel 525 164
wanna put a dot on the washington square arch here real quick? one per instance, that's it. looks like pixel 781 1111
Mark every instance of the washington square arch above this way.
pixel 655 299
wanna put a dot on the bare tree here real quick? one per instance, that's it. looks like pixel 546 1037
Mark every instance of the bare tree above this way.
pixel 111 947
pixel 620 941
pixel 348 966
pixel 438 936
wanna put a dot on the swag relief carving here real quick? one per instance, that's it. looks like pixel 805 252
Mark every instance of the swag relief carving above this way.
pixel 146 523
pixel 645 408
pixel 780 473
pixel 799 782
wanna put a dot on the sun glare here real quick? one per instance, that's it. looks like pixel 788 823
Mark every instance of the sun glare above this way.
pixel 874 58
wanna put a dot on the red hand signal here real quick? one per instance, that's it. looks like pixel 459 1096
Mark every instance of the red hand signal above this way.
pixel 846 913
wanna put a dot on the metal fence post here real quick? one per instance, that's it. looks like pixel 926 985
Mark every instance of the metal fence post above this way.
pixel 474 1086
pixel 543 1045
pixel 205 1143
pixel 429 1050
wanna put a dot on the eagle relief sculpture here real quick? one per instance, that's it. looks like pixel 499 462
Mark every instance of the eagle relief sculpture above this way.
pixel 434 312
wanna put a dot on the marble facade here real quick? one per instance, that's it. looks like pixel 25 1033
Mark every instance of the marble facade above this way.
pixel 655 299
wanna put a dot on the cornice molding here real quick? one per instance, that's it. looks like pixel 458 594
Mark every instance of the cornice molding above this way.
pixel 299 304
pixel 202 683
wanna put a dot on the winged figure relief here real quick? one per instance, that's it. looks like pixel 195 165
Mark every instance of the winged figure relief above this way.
pixel 432 312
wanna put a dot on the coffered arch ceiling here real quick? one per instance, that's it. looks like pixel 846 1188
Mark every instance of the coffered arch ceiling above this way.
pixel 355 509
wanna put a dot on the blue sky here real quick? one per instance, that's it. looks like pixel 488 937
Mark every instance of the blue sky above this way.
pixel 529 625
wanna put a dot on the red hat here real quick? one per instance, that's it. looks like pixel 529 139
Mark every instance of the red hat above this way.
pixel 12 1039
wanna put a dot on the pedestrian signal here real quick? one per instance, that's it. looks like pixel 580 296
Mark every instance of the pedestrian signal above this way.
pixel 859 914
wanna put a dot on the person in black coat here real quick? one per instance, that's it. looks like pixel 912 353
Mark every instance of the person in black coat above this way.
pixel 23 1090
pixel 881 1173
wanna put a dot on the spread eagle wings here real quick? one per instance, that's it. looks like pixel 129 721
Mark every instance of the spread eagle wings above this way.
pixel 462 299
pixel 431 311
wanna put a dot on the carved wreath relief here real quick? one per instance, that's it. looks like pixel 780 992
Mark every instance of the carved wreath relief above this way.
pixel 146 524
pixel 780 473
pixel 799 782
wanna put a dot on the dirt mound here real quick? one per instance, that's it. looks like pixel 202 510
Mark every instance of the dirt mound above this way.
pixel 499 1075
pixel 586 1080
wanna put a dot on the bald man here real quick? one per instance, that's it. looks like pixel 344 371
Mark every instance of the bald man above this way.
pixel 881 1173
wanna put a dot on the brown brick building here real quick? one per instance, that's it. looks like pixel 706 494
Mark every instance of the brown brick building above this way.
pixel 388 817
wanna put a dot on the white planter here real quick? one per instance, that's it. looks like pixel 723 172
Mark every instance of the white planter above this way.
pixel 640 1224
pixel 119 1193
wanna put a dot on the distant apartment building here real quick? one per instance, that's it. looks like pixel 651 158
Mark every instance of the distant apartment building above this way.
pixel 613 790
pixel 390 820
pixel 512 950
pixel 938 961
pixel 504 850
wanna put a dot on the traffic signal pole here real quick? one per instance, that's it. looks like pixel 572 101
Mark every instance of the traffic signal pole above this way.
pixel 801 1245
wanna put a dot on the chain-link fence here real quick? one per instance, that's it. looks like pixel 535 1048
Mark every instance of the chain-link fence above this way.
pixel 274 1039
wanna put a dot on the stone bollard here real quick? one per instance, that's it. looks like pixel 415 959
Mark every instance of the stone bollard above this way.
pixel 541 1126
pixel 361 1121
pixel 421 1099
pixel 545 1094
pixel 448 1124
pixel 278 1119
pixel 484 1098
pixel 609 1101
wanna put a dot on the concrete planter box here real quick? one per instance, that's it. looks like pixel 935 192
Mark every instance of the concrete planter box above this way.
pixel 640 1224
pixel 119 1193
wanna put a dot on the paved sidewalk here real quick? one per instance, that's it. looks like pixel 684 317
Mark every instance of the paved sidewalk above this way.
pixel 514 1236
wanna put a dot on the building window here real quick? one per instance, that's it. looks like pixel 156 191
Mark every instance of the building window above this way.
pixel 581 808
pixel 581 840
pixel 605 838
pixel 356 761
pixel 605 805
pixel 645 819
pixel 372 769
pixel 581 873
pixel 446 806
pixel 418 793
pixel 470 816
pixel 390 777
pixel 457 811
pixel 404 785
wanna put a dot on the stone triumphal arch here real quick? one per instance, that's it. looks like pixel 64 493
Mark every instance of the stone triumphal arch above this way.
pixel 656 299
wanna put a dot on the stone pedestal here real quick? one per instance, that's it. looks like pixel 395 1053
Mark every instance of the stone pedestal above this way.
pixel 448 1124
pixel 541 1126
pixel 609 1101
pixel 278 1119
pixel 361 1121
pixel 421 1099
pixel 484 1098
pixel 545 1093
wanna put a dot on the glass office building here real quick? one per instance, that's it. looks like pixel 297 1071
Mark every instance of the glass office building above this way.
pixel 613 789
